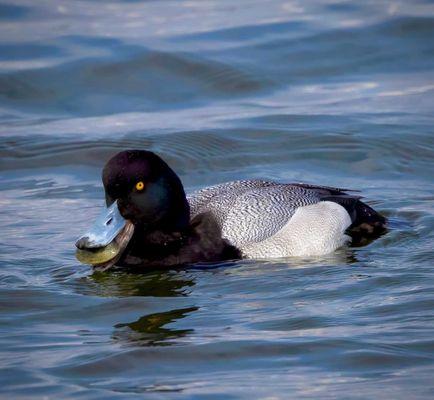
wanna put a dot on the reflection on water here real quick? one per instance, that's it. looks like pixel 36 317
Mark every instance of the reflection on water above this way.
pixel 150 330
pixel 153 284
pixel 327 92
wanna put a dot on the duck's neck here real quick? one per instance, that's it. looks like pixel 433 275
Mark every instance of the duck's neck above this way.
pixel 177 218
pixel 174 216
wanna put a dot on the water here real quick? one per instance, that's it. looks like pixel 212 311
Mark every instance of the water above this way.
pixel 335 93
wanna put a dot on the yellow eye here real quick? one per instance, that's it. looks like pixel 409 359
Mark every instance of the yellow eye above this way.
pixel 140 185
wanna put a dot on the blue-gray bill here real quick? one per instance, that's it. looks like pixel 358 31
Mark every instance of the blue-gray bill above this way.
pixel 108 237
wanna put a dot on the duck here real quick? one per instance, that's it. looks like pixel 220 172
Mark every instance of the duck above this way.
pixel 150 222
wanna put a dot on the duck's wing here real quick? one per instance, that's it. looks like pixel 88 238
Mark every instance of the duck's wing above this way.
pixel 222 197
pixel 331 190
pixel 252 211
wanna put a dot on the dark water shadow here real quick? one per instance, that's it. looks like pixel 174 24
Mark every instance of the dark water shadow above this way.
pixel 134 78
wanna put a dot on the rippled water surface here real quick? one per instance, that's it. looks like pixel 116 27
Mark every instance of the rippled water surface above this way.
pixel 331 92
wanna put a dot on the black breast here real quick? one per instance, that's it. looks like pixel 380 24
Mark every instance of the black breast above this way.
pixel 201 242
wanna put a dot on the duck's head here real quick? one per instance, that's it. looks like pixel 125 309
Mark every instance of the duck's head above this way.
pixel 143 194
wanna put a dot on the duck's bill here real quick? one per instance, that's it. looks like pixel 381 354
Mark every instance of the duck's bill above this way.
pixel 107 239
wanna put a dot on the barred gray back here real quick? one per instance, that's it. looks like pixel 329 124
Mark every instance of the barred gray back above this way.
pixel 250 211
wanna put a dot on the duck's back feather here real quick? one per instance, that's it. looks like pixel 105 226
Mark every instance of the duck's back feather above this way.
pixel 254 211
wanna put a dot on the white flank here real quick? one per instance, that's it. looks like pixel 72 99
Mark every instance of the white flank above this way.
pixel 313 230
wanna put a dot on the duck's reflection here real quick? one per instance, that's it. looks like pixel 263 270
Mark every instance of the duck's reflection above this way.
pixel 150 329
pixel 152 284
pixel 343 256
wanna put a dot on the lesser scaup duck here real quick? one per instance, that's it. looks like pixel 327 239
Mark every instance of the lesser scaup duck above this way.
pixel 150 222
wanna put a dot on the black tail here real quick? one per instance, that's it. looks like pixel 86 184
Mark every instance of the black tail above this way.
pixel 367 224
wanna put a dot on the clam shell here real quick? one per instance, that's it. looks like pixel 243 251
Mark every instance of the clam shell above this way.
pixel 98 256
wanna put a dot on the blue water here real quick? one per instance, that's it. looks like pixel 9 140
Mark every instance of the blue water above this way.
pixel 336 93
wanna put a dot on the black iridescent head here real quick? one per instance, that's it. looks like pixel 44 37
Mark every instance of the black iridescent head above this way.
pixel 147 190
